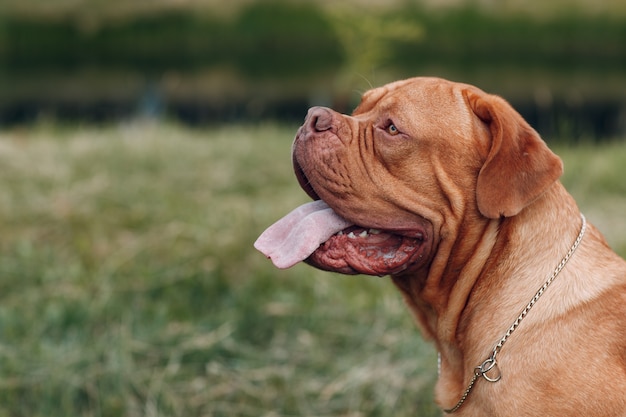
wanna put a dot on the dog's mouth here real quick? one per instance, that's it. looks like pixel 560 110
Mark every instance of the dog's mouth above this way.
pixel 357 250
pixel 316 234
pixel 363 250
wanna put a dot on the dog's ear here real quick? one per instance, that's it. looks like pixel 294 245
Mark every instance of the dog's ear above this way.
pixel 519 166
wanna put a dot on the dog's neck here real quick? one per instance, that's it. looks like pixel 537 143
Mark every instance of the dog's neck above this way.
pixel 457 291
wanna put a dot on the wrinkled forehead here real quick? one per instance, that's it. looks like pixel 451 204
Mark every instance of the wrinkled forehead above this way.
pixel 371 98
pixel 419 98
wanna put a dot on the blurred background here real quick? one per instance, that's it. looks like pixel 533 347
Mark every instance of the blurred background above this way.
pixel 145 145
pixel 561 63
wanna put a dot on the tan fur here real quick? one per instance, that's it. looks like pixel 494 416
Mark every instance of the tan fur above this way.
pixel 487 186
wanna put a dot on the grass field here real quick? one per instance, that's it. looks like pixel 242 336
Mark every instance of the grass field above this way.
pixel 130 286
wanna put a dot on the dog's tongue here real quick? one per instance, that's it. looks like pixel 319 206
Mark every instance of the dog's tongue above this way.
pixel 297 235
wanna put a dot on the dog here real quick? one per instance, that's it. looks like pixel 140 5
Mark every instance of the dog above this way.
pixel 448 190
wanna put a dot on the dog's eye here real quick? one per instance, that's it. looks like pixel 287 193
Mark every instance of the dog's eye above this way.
pixel 392 129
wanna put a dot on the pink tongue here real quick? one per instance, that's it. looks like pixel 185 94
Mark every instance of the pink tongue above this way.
pixel 297 235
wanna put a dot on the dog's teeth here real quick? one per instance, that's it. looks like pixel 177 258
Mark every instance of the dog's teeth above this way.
pixel 363 233
pixel 374 231
pixel 351 235
pixel 340 233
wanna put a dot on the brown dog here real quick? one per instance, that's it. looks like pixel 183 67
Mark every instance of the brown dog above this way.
pixel 448 190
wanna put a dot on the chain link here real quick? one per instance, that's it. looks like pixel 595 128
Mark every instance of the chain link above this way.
pixel 464 396
pixel 490 362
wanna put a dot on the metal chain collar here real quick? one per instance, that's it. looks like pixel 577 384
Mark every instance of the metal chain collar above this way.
pixel 490 363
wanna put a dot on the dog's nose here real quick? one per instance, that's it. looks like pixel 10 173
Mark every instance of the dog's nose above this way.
pixel 320 119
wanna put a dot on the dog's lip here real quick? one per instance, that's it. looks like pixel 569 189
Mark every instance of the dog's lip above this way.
pixel 411 233
pixel 379 252
pixel 304 182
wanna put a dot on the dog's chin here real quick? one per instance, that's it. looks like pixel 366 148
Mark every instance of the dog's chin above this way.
pixel 357 250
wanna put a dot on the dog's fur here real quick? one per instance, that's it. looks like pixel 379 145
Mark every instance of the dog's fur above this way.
pixel 478 189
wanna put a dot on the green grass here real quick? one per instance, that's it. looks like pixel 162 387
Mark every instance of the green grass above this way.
pixel 129 285
pixel 596 177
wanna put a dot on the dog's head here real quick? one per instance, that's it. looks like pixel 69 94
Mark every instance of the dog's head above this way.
pixel 416 155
